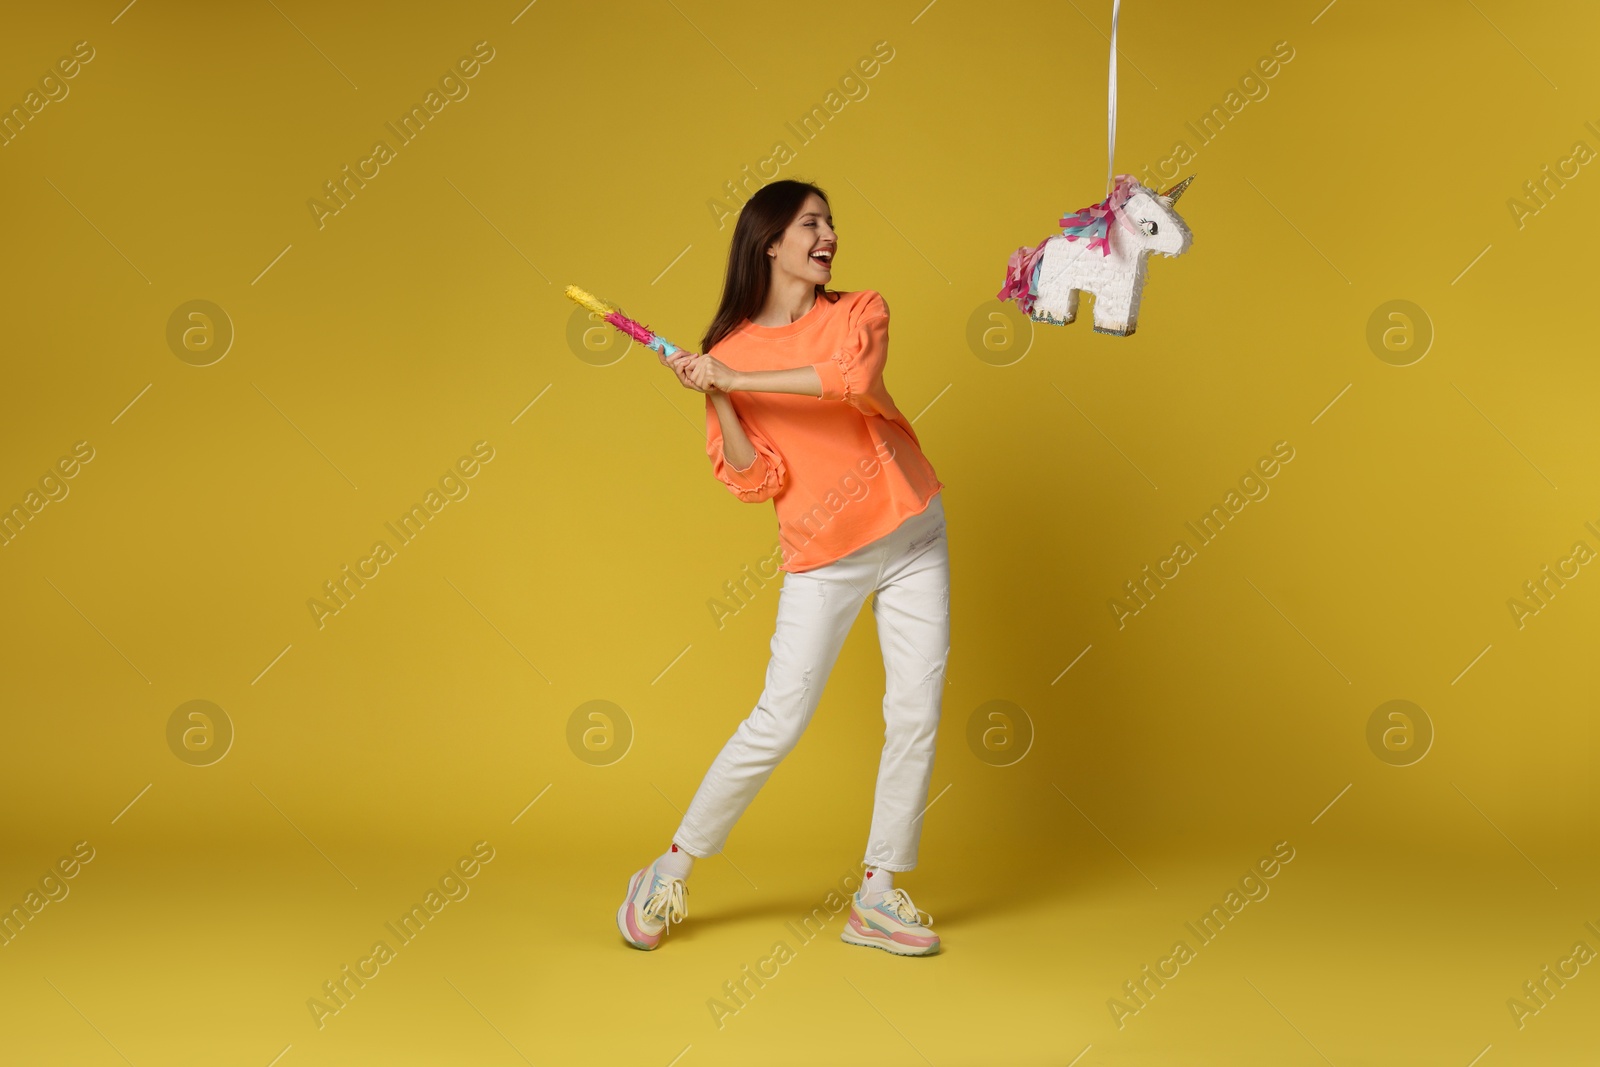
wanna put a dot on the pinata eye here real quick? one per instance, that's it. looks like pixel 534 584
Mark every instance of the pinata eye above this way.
pixel 1149 226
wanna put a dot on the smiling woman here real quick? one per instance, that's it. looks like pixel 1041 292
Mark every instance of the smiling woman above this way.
pixel 795 406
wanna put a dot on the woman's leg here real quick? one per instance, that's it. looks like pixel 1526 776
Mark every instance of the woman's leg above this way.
pixel 815 611
pixel 912 610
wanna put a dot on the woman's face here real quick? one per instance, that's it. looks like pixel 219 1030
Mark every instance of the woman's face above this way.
pixel 805 249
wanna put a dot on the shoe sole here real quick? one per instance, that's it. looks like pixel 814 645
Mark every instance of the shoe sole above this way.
pixel 622 912
pixel 849 936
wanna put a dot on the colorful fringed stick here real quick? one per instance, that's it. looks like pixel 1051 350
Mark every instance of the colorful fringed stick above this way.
pixel 633 328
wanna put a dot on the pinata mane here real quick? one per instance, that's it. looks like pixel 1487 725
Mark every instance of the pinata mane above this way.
pixel 1093 223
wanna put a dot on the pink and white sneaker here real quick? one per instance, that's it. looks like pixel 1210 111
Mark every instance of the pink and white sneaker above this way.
pixel 893 924
pixel 653 903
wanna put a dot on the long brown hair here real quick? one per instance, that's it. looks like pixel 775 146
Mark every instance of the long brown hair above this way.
pixel 762 220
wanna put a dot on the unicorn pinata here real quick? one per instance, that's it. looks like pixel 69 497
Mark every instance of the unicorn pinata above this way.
pixel 1102 250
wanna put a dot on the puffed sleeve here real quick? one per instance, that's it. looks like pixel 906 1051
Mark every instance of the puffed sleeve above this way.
pixel 762 479
pixel 853 372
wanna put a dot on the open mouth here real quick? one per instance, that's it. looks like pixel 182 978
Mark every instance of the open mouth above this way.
pixel 823 258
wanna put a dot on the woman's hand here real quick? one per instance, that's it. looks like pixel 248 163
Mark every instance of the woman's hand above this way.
pixel 711 374
pixel 680 364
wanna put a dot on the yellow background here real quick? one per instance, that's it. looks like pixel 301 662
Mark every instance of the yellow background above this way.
pixel 372 352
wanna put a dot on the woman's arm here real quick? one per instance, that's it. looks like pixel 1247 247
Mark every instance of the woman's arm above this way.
pixel 736 446
pixel 803 380
pixel 743 460
pixel 852 373
pixel 713 375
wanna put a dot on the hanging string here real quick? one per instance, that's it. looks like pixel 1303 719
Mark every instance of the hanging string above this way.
pixel 1111 98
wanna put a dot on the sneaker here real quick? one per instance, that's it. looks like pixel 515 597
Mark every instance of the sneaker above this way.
pixel 653 903
pixel 893 924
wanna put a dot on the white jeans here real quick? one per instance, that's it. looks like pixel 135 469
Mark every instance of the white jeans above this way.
pixel 908 570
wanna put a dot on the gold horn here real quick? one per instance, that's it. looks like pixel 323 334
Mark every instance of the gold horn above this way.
pixel 1171 195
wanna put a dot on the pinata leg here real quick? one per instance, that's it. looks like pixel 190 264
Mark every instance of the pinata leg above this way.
pixel 1117 312
pixel 1059 313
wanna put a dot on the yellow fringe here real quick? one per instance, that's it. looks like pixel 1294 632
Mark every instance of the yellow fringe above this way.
pixel 590 301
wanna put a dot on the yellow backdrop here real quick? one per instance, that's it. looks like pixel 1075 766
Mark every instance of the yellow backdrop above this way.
pixel 285 282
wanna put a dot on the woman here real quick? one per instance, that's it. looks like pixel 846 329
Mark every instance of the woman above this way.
pixel 797 413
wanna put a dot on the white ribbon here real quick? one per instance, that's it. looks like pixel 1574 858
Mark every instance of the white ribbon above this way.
pixel 1111 100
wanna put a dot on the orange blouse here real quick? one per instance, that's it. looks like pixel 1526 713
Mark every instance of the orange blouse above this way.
pixel 842 469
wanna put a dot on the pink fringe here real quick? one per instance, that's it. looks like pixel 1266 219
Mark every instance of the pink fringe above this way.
pixel 1019 275
pixel 639 332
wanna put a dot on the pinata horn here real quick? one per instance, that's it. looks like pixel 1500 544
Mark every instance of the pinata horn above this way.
pixel 1171 195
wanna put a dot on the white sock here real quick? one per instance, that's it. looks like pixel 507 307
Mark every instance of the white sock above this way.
pixel 874 884
pixel 675 863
